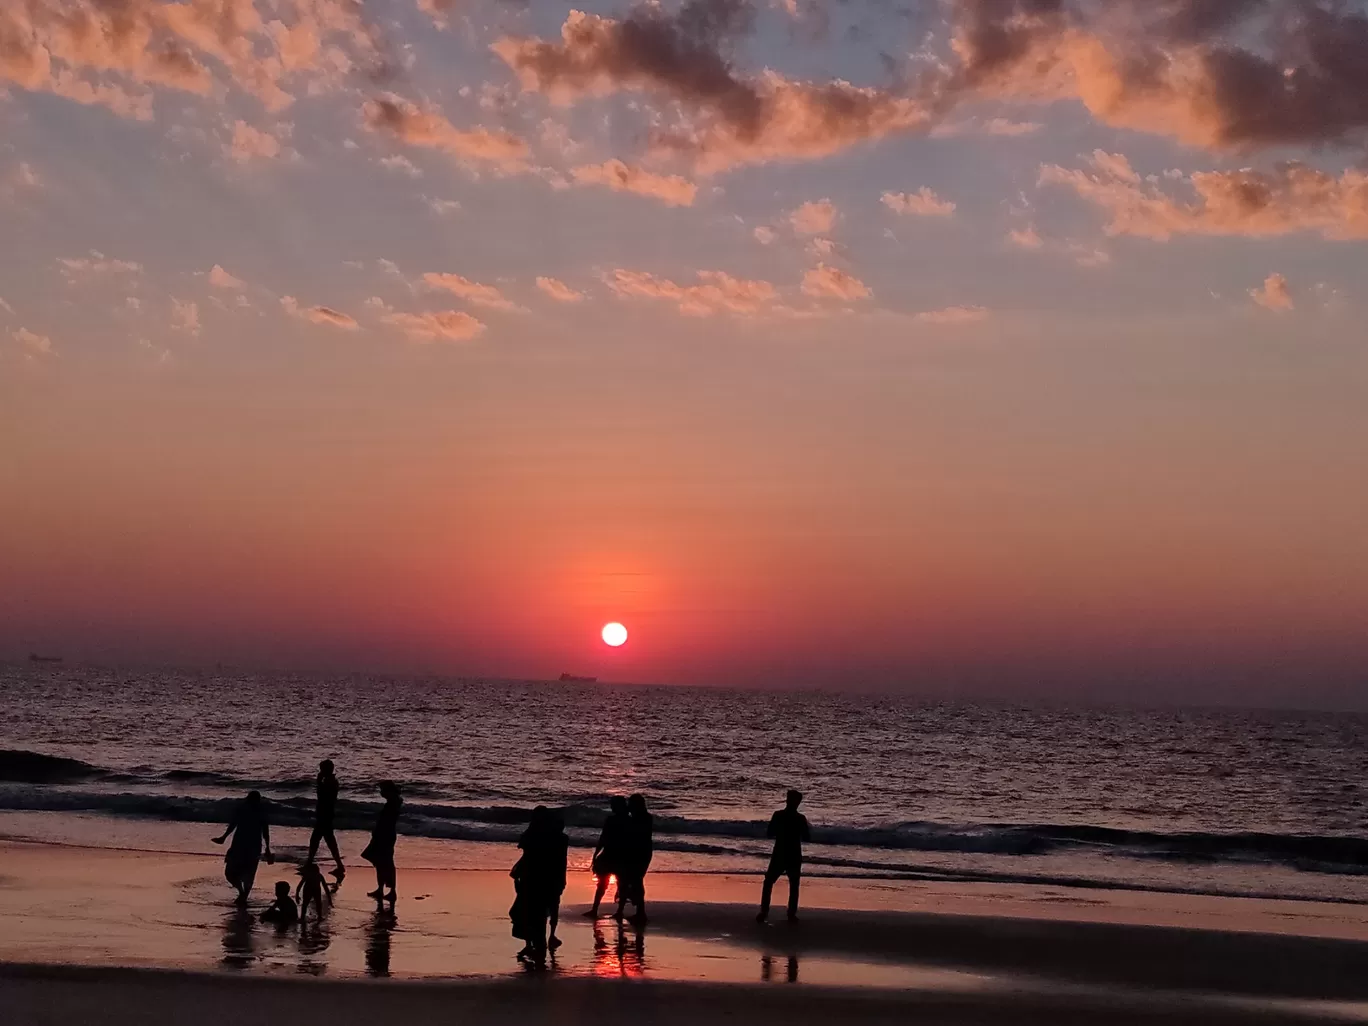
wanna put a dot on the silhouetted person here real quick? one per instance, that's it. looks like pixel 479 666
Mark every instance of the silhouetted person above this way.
pixel 539 880
pixel 636 857
pixel 380 852
pixel 612 846
pixel 313 890
pixel 789 828
pixel 324 811
pixel 250 830
pixel 282 911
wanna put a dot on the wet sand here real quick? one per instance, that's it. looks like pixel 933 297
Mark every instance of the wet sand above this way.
pixel 89 934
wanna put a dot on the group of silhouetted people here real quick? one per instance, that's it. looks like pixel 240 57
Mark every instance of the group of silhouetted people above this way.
pixel 251 833
pixel 622 855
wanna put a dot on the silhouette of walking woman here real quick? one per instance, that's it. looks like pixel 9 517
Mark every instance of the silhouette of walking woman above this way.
pixel 250 830
pixel 612 847
pixel 380 851
pixel 539 880
pixel 324 811
pixel 789 828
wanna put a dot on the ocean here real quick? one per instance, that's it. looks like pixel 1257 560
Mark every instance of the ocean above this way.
pixel 1237 802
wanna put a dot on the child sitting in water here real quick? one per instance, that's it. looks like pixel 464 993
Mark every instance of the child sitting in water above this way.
pixel 282 911
pixel 311 890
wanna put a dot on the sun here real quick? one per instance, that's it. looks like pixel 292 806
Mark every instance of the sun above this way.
pixel 614 635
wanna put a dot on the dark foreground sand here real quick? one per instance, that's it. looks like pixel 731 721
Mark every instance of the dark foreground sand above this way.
pixel 67 996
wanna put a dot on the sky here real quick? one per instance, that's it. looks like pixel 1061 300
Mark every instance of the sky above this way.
pixel 1003 348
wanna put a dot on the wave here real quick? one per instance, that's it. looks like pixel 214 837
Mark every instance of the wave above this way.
pixel 34 782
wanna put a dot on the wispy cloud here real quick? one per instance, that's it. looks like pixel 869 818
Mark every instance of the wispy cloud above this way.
pixel 471 291
pixel 955 315
pixel 438 326
pixel 1274 294
pixel 922 203
pixel 669 189
pixel 559 291
pixel 827 282
pixel 324 315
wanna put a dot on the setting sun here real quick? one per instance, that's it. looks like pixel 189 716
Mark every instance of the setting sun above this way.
pixel 614 634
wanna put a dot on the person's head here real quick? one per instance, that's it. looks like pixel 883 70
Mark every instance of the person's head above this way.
pixel 389 790
pixel 253 797
pixel 539 818
pixel 325 768
pixel 637 805
pixel 618 804
pixel 794 798
pixel 282 889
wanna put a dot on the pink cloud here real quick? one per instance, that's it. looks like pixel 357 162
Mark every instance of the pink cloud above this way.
pixel 559 291
pixel 827 282
pixel 669 189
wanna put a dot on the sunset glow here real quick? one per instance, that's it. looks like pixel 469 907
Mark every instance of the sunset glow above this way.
pixel 614 635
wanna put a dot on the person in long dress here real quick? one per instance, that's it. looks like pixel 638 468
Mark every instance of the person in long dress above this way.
pixel 539 880
pixel 380 852
pixel 250 831
pixel 636 857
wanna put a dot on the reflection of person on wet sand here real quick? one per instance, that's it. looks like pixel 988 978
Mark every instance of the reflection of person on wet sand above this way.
pixel 789 828
pixel 619 958
pixel 237 939
pixel 380 851
pixel 313 890
pixel 324 812
pixel 282 910
pixel 767 969
pixel 612 846
pixel 250 830
pixel 378 942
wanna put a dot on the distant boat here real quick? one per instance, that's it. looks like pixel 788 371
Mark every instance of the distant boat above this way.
pixel 34 657
pixel 570 678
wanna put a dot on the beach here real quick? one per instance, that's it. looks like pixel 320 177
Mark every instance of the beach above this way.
pixel 139 935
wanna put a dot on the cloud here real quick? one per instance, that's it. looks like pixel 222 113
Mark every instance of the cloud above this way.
pixel 32 343
pixel 955 315
pixel 324 315
pixel 922 203
pixel 559 291
pixel 442 207
pixel 764 235
pixel 417 127
pixel 1275 294
pixel 1290 198
pixel 1026 238
pixel 442 325
pixel 1213 73
pixel 116 53
pixel 813 218
pixel 734 120
pixel 716 292
pixel 399 162
pixel 5 306
pixel 827 282
pixel 96 264
pixel 471 291
pixel 185 316
pixel 221 279
pixel 252 144
pixel 669 189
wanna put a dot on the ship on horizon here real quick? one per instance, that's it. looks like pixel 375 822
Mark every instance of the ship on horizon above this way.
pixel 570 678
pixel 34 657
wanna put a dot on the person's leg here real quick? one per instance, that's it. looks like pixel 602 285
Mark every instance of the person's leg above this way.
pixel 331 838
pixel 553 941
pixel 379 891
pixel 248 878
pixel 795 874
pixel 767 892
pixel 599 889
pixel 392 878
pixel 314 838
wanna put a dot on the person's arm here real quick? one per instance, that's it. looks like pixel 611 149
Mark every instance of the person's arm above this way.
pixel 266 838
pixel 772 829
pixel 226 831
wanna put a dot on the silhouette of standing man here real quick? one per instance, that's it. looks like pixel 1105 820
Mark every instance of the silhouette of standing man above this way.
pixel 789 828
pixel 323 815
